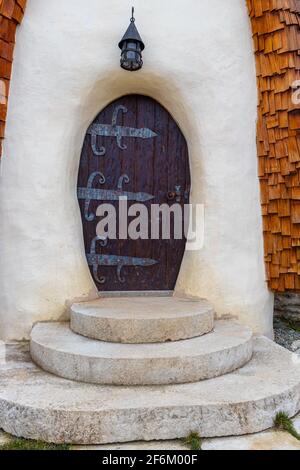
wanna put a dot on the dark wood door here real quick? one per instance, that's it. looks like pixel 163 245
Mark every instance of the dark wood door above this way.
pixel 134 149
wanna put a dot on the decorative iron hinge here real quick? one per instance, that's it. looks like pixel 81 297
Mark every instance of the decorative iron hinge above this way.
pixel 113 130
pixel 93 194
pixel 120 262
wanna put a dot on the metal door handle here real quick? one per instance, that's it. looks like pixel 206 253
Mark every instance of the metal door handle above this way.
pixel 175 195
pixel 171 195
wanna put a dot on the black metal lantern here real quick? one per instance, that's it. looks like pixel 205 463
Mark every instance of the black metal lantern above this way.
pixel 132 47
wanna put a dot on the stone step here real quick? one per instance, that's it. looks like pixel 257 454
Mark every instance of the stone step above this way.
pixel 142 320
pixel 38 405
pixel 60 351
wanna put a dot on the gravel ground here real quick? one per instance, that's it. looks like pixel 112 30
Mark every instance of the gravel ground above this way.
pixel 286 336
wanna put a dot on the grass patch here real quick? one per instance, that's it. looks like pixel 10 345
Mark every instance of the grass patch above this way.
pixel 293 325
pixel 283 423
pixel 193 441
pixel 16 443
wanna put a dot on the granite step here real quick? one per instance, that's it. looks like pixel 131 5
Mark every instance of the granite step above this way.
pixel 142 320
pixel 38 405
pixel 60 351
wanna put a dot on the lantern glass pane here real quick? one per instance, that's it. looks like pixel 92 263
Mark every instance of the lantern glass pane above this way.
pixel 131 58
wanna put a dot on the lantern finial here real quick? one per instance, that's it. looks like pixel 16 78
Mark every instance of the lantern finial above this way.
pixel 132 47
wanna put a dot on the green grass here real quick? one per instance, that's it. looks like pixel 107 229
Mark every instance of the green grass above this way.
pixel 16 443
pixel 283 423
pixel 291 324
pixel 193 441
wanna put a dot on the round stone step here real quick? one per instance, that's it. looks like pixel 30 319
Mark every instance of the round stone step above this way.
pixel 142 320
pixel 58 350
pixel 41 406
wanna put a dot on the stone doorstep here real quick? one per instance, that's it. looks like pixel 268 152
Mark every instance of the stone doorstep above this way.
pixel 56 349
pixel 142 320
pixel 38 405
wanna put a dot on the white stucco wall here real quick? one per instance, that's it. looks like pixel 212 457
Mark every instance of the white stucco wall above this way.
pixel 199 64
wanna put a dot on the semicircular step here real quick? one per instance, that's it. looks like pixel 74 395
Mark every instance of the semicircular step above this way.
pixel 142 320
pixel 58 350
pixel 41 406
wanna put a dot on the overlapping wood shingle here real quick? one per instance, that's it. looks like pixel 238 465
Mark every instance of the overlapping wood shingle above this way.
pixel 11 14
pixel 276 34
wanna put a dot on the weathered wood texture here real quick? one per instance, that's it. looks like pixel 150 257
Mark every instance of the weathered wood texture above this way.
pixel 151 166
pixel 11 14
pixel 276 33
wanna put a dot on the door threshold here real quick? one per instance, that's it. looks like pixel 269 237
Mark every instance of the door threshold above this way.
pixel 143 293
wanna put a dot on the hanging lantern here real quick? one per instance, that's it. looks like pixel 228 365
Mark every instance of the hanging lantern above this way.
pixel 131 46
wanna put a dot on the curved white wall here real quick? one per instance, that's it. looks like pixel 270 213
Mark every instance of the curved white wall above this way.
pixel 199 64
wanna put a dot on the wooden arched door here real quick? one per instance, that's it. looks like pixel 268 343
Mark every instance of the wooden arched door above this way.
pixel 133 149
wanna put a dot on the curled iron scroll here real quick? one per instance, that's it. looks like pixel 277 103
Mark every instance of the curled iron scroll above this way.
pixel 103 242
pixel 93 176
pixel 114 124
pixel 99 152
pixel 119 270
pixel 123 179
